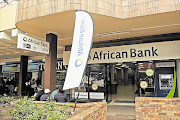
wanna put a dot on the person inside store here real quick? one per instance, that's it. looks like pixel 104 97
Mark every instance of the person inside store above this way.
pixel 40 92
pixel 46 95
pixel 61 96
pixel 1 86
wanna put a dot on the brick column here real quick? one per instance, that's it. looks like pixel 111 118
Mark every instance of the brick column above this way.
pixel 22 74
pixel 50 63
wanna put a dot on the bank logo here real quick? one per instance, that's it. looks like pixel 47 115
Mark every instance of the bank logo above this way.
pixel 78 62
pixel 25 39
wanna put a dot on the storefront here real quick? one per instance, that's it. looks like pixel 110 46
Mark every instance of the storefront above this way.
pixel 121 73
pixel 35 73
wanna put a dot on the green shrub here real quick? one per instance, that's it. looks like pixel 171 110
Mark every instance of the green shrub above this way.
pixel 25 109
pixel 6 100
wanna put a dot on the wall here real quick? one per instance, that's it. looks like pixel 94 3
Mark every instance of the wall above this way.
pixel 97 110
pixel 28 9
pixel 8 17
pixel 178 75
pixel 148 108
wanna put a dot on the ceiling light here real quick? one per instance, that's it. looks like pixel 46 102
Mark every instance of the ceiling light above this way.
pixel 140 63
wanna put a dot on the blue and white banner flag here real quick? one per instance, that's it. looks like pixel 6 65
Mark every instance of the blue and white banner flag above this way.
pixel 81 47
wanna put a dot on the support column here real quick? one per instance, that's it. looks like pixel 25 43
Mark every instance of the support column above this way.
pixel 22 74
pixel 178 75
pixel 125 76
pixel 50 63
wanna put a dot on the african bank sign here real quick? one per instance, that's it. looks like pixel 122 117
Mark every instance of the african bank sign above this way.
pixel 128 53
pixel 32 44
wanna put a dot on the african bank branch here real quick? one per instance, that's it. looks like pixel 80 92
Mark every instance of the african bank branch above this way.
pixel 121 73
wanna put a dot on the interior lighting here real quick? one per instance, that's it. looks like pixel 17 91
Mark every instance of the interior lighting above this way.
pixel 140 63
pixel 116 33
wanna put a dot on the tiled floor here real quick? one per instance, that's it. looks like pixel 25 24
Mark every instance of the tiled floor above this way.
pixel 125 93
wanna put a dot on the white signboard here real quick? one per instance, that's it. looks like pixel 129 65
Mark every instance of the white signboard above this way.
pixel 96 95
pixel 136 52
pixel 82 95
pixel 165 64
pixel 29 43
pixel 81 46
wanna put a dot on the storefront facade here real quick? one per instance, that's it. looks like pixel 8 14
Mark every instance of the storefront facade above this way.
pixel 148 69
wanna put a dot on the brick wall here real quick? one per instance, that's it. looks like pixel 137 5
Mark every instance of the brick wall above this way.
pixel 97 110
pixel 153 108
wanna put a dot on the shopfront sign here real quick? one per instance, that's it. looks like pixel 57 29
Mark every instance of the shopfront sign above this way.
pixel 83 95
pixel 165 64
pixel 129 53
pixel 32 44
pixel 16 68
pixel 96 95
pixel 81 46
pixel 149 72
pixel 92 95
pixel 94 86
pixel 143 84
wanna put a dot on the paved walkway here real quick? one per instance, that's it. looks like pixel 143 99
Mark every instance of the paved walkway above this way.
pixel 121 112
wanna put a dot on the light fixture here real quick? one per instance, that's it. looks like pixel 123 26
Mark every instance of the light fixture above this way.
pixel 140 63
pixel 115 33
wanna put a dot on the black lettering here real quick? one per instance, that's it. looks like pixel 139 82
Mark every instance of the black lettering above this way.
pixel 100 54
pixel 118 55
pixel 112 55
pixel 147 51
pixel 105 55
pixel 123 54
pixel 95 56
pixel 133 52
pixel 154 51
pixel 140 53
pixel 108 54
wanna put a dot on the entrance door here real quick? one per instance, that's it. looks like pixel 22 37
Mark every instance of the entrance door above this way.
pixel 123 82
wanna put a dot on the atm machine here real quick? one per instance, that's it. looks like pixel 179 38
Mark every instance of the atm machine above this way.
pixel 166 79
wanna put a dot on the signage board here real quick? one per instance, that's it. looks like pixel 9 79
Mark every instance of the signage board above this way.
pixel 96 95
pixel 143 84
pixel 165 64
pixel 32 44
pixel 81 46
pixel 82 95
pixel 129 53
pixel 16 68
pixel 94 86
pixel 149 72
